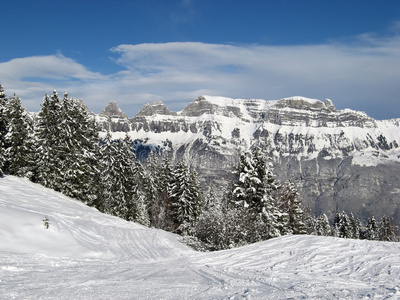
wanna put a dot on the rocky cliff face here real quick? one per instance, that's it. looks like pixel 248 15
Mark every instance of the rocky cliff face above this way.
pixel 340 159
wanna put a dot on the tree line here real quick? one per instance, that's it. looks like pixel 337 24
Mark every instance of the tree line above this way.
pixel 60 148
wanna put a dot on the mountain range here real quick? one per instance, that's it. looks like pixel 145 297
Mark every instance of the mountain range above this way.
pixel 339 159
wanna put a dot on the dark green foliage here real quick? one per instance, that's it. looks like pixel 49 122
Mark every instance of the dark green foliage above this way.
pixel 160 206
pixel 122 177
pixel 184 192
pixel 47 133
pixel 371 232
pixel 356 226
pixel 292 210
pixel 19 156
pixel 343 225
pixel 3 128
pixel 387 230
pixel 67 148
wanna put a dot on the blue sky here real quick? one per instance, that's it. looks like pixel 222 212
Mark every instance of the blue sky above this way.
pixel 136 52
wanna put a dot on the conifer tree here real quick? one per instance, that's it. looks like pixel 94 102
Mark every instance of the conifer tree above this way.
pixel 210 227
pixel 356 226
pixel 81 151
pixel 310 221
pixel 185 198
pixel 122 175
pixel 114 177
pixel 47 133
pixel 254 189
pixel 19 139
pixel 343 225
pixel 322 226
pixel 135 184
pixel 162 214
pixel 3 128
pixel 387 230
pixel 290 204
pixel 372 229
pixel 67 146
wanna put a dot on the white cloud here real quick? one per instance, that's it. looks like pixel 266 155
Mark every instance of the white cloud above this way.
pixel 56 67
pixel 362 74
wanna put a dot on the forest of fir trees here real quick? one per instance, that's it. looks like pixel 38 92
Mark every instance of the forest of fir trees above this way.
pixel 60 148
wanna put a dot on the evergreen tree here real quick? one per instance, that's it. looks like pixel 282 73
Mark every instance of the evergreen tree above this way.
pixel 387 230
pixel 185 198
pixel 79 150
pixel 122 175
pixel 67 148
pixel 210 200
pixel 290 204
pixel 159 181
pixel 356 226
pixel 136 185
pixel 322 226
pixel 3 128
pixel 310 221
pixel 254 189
pixel 114 178
pixel 372 229
pixel 210 226
pixel 47 133
pixel 343 225
pixel 19 157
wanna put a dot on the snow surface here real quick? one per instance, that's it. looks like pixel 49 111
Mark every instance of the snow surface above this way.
pixel 88 255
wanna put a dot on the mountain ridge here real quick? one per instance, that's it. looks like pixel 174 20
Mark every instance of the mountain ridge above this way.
pixel 340 159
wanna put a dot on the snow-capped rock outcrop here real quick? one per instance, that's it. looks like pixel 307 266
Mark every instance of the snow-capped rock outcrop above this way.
pixel 341 159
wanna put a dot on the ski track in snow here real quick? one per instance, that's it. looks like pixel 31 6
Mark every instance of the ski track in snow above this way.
pixel 88 255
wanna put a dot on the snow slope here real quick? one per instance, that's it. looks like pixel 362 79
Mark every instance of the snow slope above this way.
pixel 88 255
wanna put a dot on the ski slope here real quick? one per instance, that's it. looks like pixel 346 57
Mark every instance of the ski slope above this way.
pixel 88 255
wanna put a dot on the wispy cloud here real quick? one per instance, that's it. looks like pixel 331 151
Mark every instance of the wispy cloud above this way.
pixel 363 74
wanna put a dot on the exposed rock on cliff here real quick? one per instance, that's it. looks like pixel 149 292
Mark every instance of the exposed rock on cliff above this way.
pixel 340 159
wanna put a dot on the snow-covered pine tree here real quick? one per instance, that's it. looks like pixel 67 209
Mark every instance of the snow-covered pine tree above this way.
pixel 254 189
pixel 3 128
pixel 67 148
pixel 387 230
pixel 150 184
pixel 322 226
pixel 19 139
pixel 47 133
pixel 247 180
pixel 343 225
pixel 356 226
pixel 135 184
pixel 122 176
pixel 310 221
pixel 185 198
pixel 210 227
pixel 113 177
pixel 371 229
pixel 79 148
pixel 162 214
pixel 290 204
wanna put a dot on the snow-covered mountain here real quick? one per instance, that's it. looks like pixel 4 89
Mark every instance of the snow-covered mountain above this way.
pixel 85 254
pixel 340 159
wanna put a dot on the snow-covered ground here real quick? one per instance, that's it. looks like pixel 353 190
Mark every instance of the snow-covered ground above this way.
pixel 88 255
